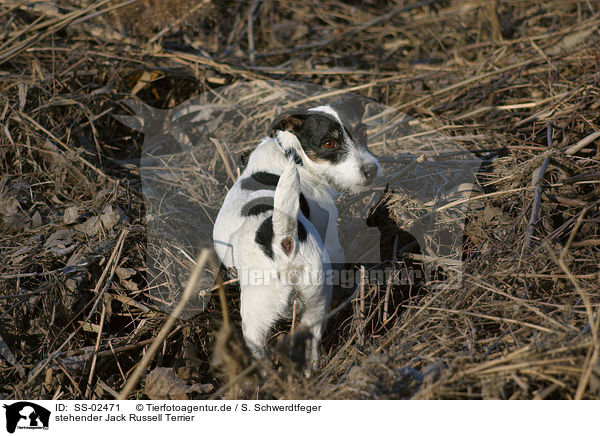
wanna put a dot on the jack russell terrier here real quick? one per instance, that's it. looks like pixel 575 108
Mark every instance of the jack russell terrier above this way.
pixel 278 224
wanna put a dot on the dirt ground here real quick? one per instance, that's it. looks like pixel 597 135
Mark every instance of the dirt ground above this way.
pixel 515 83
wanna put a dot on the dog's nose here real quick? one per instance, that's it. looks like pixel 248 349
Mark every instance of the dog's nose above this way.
pixel 370 171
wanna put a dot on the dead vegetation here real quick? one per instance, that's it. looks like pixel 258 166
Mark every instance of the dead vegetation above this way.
pixel 516 83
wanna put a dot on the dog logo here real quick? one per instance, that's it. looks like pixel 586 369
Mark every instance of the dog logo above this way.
pixel 26 415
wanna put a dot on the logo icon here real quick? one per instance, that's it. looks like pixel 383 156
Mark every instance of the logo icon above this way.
pixel 26 415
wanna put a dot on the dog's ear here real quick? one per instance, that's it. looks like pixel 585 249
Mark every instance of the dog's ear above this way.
pixel 351 107
pixel 291 121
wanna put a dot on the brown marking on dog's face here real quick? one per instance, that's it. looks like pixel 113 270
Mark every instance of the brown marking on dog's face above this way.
pixel 312 155
pixel 291 121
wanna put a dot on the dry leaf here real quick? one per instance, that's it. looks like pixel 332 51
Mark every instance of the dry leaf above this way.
pixel 10 357
pixel 90 227
pixel 110 217
pixel 125 273
pixel 163 384
pixel 59 240
pixel 570 41
pixel 71 215
pixel 36 220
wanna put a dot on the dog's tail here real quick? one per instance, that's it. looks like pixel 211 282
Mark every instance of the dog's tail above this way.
pixel 286 205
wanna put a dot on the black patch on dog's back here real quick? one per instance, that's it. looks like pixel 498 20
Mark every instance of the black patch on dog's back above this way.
pixel 263 180
pixel 304 206
pixel 257 206
pixel 264 237
pixel 302 234
pixel 260 180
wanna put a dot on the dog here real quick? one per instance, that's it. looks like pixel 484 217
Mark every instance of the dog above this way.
pixel 278 224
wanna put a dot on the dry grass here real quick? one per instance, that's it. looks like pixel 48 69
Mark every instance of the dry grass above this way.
pixel 517 83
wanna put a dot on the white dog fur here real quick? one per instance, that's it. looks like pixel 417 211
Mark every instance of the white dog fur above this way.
pixel 278 224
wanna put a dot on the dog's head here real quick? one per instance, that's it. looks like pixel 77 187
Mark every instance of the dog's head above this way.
pixel 331 142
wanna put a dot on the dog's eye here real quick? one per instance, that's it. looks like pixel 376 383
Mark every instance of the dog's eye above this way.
pixel 329 144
